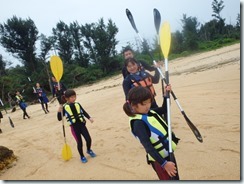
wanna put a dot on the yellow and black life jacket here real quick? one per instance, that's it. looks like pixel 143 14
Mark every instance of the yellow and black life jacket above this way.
pixel 19 98
pixel 144 80
pixel 159 133
pixel 73 113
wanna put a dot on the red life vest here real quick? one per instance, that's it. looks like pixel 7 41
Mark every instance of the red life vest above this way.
pixel 144 80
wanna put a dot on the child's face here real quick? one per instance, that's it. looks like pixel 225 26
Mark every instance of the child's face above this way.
pixel 132 67
pixel 142 108
pixel 71 99
pixel 37 85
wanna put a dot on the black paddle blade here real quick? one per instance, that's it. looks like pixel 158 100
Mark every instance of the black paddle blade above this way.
pixel 193 128
pixel 11 122
pixel 14 109
pixel 130 17
pixel 157 19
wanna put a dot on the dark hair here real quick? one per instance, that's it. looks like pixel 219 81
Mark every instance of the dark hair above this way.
pixel 69 92
pixel 127 49
pixel 130 60
pixel 136 95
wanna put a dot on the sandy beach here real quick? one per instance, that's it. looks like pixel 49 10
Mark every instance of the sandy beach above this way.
pixel 208 88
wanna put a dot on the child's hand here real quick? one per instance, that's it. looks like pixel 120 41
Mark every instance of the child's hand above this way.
pixel 167 88
pixel 60 108
pixel 157 65
pixel 91 120
pixel 170 168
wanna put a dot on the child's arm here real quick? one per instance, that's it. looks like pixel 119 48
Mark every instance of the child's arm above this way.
pixel 86 114
pixel 59 114
pixel 126 87
pixel 139 129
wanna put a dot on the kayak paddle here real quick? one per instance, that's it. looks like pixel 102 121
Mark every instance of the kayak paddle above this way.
pixel 165 46
pixel 10 120
pixel 57 70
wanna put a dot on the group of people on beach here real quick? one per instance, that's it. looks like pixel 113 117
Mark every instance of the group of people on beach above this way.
pixel 148 120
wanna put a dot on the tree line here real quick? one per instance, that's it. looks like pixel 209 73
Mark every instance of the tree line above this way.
pixel 89 51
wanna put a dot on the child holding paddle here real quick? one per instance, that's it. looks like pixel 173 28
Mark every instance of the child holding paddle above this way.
pixel 42 97
pixel 138 77
pixel 152 131
pixel 75 115
pixel 22 104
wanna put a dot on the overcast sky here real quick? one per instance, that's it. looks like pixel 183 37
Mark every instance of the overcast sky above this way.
pixel 46 14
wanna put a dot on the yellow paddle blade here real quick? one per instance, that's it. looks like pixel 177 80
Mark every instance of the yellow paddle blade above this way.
pixel 66 152
pixel 56 65
pixel 165 39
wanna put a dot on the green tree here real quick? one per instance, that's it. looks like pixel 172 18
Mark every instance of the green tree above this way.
pixel 63 42
pixel 100 42
pixel 80 56
pixel 2 66
pixel 217 7
pixel 190 32
pixel 177 42
pixel 238 23
pixel 46 46
pixel 18 37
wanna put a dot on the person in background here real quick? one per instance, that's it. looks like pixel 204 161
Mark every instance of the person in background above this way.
pixel 42 97
pixel 59 93
pixel 22 104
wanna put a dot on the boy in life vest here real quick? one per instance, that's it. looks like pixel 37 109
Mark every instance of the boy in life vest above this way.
pixel 138 77
pixel 42 97
pixel 75 115
pixel 152 131
pixel 22 104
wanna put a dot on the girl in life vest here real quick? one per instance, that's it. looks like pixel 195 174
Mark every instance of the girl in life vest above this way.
pixel 22 104
pixel 139 78
pixel 152 131
pixel 75 116
pixel 42 97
